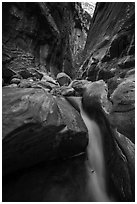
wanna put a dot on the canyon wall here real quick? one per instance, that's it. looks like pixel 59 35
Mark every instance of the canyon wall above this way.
pixel 58 61
pixel 111 43
pixel 45 36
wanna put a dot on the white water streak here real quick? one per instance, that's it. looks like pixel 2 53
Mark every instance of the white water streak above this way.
pixel 96 162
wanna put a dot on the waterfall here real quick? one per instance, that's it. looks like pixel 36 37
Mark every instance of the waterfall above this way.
pixel 96 162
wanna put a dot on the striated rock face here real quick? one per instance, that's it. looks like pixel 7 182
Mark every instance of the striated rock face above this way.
pixel 42 36
pixel 111 40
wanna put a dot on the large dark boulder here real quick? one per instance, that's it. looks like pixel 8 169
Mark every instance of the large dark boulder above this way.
pixel 39 127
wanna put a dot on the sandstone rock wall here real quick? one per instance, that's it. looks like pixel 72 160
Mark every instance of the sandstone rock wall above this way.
pixel 39 124
pixel 41 35
pixel 111 40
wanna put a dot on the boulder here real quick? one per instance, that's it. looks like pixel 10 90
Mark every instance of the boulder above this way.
pixel 25 83
pixel 95 95
pixel 15 81
pixel 79 85
pixel 113 84
pixel 39 127
pixel 46 84
pixel 75 102
pixel 122 113
pixel 57 180
pixel 63 79
pixel 12 85
pixel 68 92
pixel 49 79
pixel 63 90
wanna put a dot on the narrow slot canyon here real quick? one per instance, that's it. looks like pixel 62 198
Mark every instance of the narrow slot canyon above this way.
pixel 68 101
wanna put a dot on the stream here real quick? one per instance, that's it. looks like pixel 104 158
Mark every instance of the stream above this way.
pixel 96 161
pixel 81 178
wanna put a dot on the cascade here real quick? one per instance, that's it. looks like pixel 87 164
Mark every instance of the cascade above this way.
pixel 96 161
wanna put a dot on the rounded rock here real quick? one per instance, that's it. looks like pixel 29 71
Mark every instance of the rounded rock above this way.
pixel 63 79
pixel 15 81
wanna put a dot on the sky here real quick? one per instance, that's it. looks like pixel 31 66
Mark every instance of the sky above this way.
pixel 89 7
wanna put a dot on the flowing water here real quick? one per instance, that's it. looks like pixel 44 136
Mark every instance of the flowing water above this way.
pixel 96 161
pixel 78 179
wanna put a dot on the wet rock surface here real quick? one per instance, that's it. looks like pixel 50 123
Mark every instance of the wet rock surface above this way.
pixel 15 81
pixel 79 85
pixel 123 108
pixel 39 127
pixel 63 79
pixel 56 61
pixel 117 148
pixel 95 95
pixel 53 182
